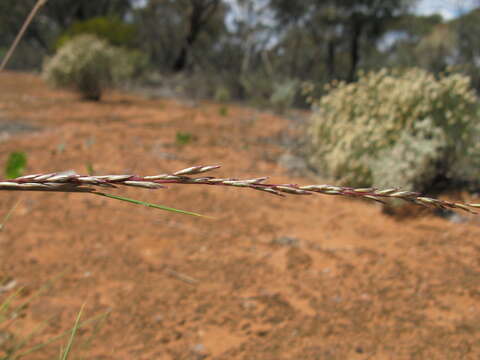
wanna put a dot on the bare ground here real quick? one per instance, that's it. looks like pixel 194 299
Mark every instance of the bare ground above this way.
pixel 295 278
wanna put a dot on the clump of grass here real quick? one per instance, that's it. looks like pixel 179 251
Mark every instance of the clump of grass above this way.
pixel 72 182
pixel 223 111
pixel 15 165
pixel 183 138
pixel 17 347
pixel 13 347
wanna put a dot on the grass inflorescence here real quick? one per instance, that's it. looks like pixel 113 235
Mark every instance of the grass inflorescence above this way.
pixel 70 181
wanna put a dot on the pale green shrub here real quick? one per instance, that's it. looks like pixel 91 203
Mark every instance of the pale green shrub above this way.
pixel 413 160
pixel 265 90
pixel 396 128
pixel 257 88
pixel 90 65
pixel 222 94
pixel 284 93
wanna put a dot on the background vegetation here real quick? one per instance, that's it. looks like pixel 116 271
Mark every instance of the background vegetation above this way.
pixel 397 127
pixel 251 48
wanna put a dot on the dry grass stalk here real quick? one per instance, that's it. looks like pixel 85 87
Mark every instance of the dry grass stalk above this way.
pixel 70 181
pixel 20 34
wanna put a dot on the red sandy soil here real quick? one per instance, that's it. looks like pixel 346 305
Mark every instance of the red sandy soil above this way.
pixel 356 283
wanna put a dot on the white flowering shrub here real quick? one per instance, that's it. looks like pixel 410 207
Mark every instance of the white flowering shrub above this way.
pixel 397 128
pixel 90 65
pixel 413 161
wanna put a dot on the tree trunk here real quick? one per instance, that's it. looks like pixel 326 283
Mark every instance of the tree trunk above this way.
pixel 201 13
pixel 331 47
pixel 357 29
pixel 181 60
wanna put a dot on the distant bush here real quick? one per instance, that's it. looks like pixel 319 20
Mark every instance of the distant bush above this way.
pixel 266 90
pixel 222 94
pixel 113 30
pixel 183 138
pixel 403 128
pixel 284 93
pixel 257 88
pixel 90 65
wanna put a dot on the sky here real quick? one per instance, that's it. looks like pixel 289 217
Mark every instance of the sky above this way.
pixel 447 8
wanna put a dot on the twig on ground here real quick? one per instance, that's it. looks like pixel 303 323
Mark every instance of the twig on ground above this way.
pixel 182 277
pixel 8 286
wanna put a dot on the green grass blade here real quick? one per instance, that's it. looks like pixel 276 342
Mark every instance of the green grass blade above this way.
pixel 90 169
pixel 39 292
pixel 67 350
pixel 24 340
pixel 5 305
pixel 55 338
pixel 7 216
pixel 138 202
pixel 96 328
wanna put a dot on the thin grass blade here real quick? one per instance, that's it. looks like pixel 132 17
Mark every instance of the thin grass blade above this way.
pixel 58 337
pixel 5 305
pixel 40 291
pixel 95 330
pixel 24 340
pixel 7 216
pixel 67 350
pixel 147 204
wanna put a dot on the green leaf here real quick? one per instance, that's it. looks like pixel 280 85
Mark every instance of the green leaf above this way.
pixel 15 165
pixel 138 202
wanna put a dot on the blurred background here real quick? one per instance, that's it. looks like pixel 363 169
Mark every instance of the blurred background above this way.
pixel 256 50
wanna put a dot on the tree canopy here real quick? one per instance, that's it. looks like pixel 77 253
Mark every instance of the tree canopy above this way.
pixel 255 45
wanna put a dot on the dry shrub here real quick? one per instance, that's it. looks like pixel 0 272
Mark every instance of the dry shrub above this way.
pixel 90 65
pixel 397 128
